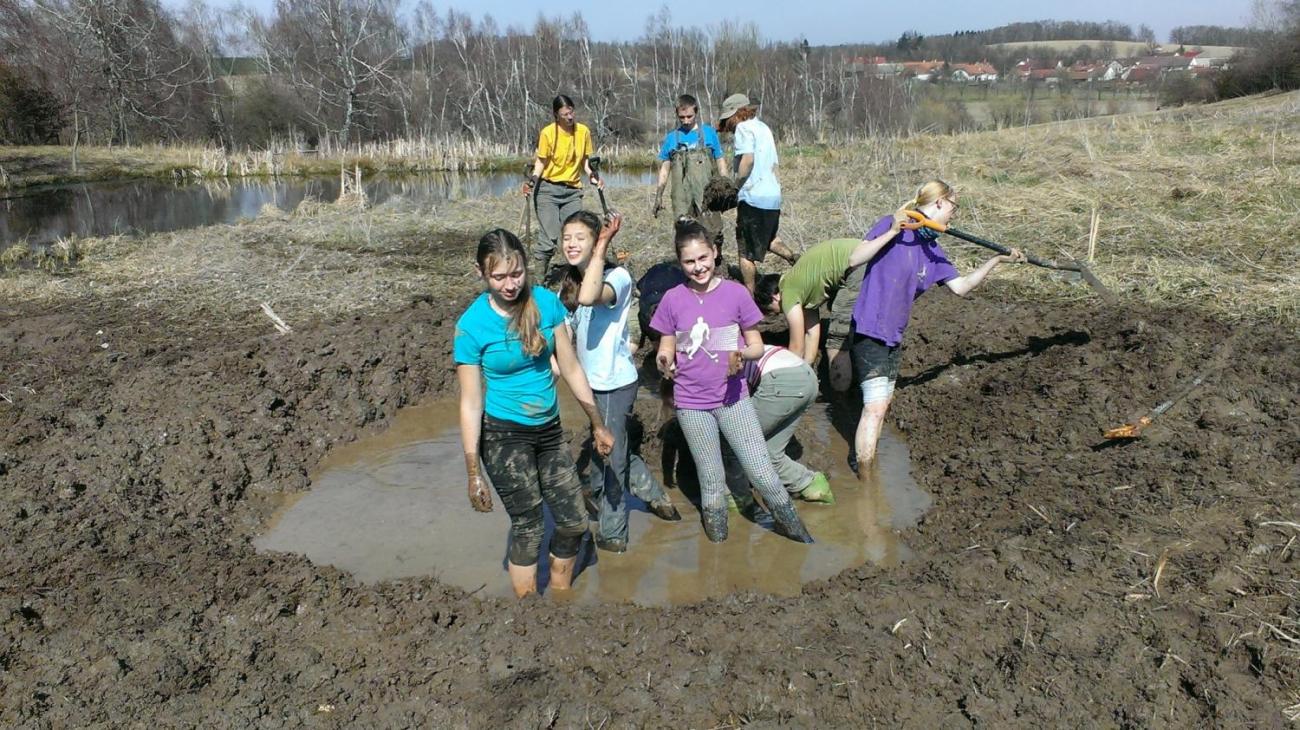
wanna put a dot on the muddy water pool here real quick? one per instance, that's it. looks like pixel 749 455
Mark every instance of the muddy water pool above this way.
pixel 393 505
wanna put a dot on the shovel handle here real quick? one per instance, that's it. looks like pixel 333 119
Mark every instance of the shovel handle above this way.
pixel 920 221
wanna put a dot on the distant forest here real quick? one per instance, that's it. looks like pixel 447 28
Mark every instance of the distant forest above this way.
pixel 351 71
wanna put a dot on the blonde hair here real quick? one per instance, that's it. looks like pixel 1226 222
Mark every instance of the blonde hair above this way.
pixel 500 245
pixel 927 194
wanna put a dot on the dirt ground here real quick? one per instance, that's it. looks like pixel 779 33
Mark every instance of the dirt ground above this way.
pixel 1058 579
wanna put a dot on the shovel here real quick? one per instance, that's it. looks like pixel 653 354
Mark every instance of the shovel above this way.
pixel 595 172
pixel 525 216
pixel 1133 429
pixel 920 221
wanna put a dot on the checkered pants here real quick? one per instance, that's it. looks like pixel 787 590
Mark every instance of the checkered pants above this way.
pixel 738 423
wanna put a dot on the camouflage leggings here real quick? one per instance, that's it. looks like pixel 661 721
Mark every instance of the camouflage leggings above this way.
pixel 529 465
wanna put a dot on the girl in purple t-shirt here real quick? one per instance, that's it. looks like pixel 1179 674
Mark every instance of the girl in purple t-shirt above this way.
pixel 900 270
pixel 707 325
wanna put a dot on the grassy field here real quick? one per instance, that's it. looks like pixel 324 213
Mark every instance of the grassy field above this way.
pixel 1122 48
pixel 1195 208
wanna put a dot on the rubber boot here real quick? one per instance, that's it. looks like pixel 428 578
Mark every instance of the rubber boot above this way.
pixel 788 523
pixel 715 523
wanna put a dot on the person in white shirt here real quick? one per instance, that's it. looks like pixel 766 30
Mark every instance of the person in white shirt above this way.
pixel 598 297
pixel 758 213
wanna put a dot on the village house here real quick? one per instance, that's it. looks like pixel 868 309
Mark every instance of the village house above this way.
pixel 922 70
pixel 965 73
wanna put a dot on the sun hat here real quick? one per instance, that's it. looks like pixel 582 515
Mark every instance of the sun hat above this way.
pixel 733 104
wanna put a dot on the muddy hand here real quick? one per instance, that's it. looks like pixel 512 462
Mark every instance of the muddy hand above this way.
pixel 734 363
pixel 603 440
pixel 611 227
pixel 667 365
pixel 479 496
pixel 1015 256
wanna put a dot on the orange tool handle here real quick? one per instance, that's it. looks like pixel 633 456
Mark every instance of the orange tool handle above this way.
pixel 920 221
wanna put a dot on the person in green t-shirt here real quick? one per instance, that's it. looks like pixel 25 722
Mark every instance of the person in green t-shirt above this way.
pixel 814 279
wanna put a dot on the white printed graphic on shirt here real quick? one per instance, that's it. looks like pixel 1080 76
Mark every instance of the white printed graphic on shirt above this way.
pixel 703 338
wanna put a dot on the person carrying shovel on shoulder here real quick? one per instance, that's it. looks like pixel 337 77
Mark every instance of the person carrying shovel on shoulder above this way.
pixel 688 156
pixel 828 272
pixel 901 266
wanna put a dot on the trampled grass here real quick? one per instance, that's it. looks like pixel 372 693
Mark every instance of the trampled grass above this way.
pixel 1196 207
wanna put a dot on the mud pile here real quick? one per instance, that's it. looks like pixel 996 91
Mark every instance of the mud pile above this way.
pixel 136 474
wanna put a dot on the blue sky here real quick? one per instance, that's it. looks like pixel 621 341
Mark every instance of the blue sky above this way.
pixel 844 21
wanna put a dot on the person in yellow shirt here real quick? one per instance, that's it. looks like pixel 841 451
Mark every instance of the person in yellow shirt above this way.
pixel 563 153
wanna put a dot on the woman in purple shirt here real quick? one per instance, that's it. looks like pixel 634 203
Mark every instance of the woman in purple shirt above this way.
pixel 706 326
pixel 900 270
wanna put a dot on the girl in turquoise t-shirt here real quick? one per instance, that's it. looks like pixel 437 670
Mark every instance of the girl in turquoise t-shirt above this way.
pixel 510 416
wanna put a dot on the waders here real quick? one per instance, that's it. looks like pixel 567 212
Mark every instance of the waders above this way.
pixel 690 171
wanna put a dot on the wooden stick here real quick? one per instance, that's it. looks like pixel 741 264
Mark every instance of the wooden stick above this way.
pixel 280 325
pixel 1092 235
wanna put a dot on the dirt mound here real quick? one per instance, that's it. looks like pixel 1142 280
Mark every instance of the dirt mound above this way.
pixel 1057 575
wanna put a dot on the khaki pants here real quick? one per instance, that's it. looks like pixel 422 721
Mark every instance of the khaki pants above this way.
pixel 781 398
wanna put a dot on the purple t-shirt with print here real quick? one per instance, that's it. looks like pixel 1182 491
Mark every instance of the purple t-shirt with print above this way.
pixel 908 265
pixel 708 327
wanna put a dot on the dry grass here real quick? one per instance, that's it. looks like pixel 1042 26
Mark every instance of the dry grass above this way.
pixel 1195 208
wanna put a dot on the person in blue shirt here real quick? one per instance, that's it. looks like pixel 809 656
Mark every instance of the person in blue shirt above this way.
pixel 510 416
pixel 688 156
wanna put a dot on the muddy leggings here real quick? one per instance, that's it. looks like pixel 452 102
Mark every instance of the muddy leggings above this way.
pixel 529 465
pixel 738 423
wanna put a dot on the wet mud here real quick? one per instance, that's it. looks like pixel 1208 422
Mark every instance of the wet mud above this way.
pixel 393 505
pixel 1057 578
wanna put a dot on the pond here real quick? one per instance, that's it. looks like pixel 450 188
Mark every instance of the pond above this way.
pixel 41 215
pixel 393 505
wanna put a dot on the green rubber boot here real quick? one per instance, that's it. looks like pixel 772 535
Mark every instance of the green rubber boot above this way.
pixel 818 490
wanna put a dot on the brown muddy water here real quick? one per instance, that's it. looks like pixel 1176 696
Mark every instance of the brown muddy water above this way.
pixel 393 505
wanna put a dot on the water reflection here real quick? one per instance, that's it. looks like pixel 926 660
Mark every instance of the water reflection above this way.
pixel 41 215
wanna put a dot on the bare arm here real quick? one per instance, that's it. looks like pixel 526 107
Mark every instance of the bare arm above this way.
pixel 963 285
pixel 663 174
pixel 666 357
pixel 744 166
pixel 753 349
pixel 471 424
pixel 576 379
pixel 594 290
pixel 868 249
pixel 539 164
pixel 722 165
pixel 795 321
pixel 586 168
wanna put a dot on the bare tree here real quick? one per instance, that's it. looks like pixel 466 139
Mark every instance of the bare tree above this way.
pixel 340 56
pixel 121 61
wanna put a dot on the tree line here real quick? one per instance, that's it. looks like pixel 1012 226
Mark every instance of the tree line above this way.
pixel 341 72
